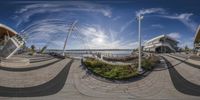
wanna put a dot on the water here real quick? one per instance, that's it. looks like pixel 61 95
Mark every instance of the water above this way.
pixel 79 53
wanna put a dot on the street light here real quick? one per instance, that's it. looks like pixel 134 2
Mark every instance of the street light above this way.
pixel 139 18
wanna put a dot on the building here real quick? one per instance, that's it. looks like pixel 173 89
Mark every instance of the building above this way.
pixel 10 41
pixel 197 41
pixel 161 44
pixel 5 33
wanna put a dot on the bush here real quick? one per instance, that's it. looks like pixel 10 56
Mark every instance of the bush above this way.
pixel 149 63
pixel 110 71
pixel 122 59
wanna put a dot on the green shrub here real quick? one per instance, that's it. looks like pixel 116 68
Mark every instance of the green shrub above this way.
pixel 110 71
pixel 147 64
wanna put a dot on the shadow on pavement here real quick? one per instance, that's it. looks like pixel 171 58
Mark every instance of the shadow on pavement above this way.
pixel 28 68
pixel 40 59
pixel 181 84
pixel 51 87
pixel 195 58
pixel 184 61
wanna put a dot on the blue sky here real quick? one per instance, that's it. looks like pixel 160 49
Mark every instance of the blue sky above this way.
pixel 101 24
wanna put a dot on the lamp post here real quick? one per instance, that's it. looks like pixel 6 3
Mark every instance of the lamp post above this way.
pixel 139 18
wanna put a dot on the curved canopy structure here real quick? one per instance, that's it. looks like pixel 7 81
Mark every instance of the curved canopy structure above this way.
pixel 5 30
pixel 5 33
pixel 10 41
pixel 197 39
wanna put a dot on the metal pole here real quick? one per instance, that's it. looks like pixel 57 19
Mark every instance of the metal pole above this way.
pixel 70 30
pixel 139 38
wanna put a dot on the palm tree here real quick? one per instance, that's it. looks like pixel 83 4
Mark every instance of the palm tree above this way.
pixel 33 49
pixel 186 48
pixel 43 49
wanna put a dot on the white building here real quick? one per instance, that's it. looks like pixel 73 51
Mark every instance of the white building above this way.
pixel 197 41
pixel 10 41
pixel 161 44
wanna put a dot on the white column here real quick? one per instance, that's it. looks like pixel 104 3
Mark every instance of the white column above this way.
pixel 139 17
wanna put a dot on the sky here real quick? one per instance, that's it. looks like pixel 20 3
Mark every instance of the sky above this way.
pixel 101 24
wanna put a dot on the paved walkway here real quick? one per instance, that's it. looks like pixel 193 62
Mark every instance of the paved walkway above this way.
pixel 36 58
pixel 159 84
pixel 186 82
pixel 32 77
pixel 188 61
pixel 31 64
pixel 69 90
pixel 190 73
pixel 195 57
pixel 181 55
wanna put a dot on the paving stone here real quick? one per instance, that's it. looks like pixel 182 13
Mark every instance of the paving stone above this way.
pixel 157 85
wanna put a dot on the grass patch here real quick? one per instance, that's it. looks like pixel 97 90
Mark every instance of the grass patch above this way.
pixel 110 71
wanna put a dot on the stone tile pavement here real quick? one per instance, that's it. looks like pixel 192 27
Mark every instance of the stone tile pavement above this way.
pixel 32 77
pixel 82 86
pixel 157 85
pixel 190 73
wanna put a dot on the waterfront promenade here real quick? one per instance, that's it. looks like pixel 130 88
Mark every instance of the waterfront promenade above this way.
pixel 67 79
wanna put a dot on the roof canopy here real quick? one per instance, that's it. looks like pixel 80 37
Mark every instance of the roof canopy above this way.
pixel 162 36
pixel 5 30
pixel 197 36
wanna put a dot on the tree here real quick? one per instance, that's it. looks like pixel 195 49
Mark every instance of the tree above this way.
pixel 186 48
pixel 33 49
pixel 43 49
pixel 181 49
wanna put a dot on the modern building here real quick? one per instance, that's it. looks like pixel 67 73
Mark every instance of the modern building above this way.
pixel 5 33
pixel 197 41
pixel 10 41
pixel 161 44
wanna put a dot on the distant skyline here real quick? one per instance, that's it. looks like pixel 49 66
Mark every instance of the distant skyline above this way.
pixel 107 24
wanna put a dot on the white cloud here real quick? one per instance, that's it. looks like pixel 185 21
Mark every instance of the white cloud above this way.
pixel 182 43
pixel 144 11
pixel 127 24
pixel 51 32
pixel 97 38
pixel 175 35
pixel 45 31
pixel 25 13
pixel 58 44
pixel 157 26
pixel 150 11
pixel 185 18
pixel 116 18
pixel 187 42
